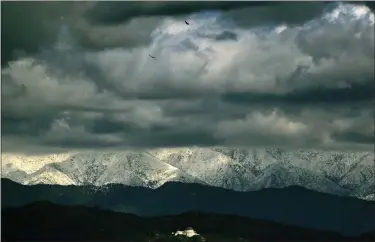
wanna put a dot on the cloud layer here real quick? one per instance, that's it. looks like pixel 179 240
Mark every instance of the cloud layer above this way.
pixel 256 75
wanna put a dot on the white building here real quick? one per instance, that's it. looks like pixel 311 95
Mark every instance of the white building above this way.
pixel 189 232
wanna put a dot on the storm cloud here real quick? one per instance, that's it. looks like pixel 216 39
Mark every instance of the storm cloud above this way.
pixel 291 75
pixel 28 27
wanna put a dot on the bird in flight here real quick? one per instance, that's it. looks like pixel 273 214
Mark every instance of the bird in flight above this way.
pixel 153 57
pixel 187 23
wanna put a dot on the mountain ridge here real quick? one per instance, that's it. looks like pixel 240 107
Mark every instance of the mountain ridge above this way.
pixel 292 205
pixel 38 223
pixel 341 173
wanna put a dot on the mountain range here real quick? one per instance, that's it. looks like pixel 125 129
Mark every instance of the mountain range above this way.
pixel 339 173
pixel 290 206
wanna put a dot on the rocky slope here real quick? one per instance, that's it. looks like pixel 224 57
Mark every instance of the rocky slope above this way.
pixel 341 173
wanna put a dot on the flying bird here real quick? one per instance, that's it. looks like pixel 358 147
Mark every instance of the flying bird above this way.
pixel 153 57
pixel 187 23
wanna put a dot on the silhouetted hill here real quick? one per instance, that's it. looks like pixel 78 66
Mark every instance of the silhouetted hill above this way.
pixel 292 205
pixel 370 236
pixel 47 221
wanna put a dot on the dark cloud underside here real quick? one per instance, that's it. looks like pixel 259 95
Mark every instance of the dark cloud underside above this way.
pixel 109 13
pixel 29 26
pixel 78 75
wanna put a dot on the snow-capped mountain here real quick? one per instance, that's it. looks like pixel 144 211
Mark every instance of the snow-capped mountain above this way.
pixel 95 168
pixel 342 173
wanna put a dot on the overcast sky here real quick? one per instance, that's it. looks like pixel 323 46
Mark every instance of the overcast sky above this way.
pixel 291 75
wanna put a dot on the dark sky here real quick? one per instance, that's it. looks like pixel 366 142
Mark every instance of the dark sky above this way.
pixel 283 74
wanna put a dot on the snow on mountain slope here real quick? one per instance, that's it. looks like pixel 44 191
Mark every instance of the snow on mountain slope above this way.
pixel 32 163
pixel 48 175
pixel 208 165
pixel 360 177
pixel 27 169
pixel 349 170
pixel 279 176
pixel 342 173
pixel 100 168
pixel 252 169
